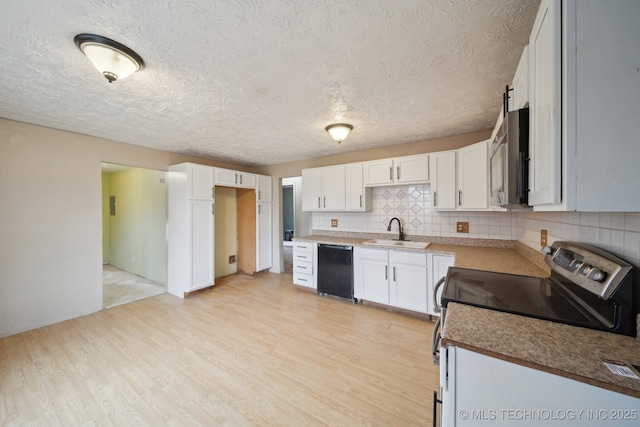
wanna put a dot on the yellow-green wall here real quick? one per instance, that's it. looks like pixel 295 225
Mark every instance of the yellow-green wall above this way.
pixel 136 233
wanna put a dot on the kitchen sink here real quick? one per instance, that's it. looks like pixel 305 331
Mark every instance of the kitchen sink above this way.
pixel 396 243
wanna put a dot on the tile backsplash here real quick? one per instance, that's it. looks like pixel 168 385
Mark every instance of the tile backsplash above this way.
pixel 618 233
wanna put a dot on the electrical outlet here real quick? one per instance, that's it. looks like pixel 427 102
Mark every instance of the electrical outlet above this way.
pixel 232 259
pixel 462 227
pixel 543 237
pixel 334 222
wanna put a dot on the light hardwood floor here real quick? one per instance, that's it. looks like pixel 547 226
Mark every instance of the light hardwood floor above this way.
pixel 251 351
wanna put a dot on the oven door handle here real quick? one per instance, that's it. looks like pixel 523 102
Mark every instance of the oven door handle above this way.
pixel 435 342
pixel 436 303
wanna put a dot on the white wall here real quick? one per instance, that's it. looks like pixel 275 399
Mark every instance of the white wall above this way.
pixel 51 220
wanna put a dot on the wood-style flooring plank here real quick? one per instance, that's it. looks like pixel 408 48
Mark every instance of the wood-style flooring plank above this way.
pixel 253 350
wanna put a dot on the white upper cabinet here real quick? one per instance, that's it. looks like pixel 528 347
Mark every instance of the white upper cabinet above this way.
pixel 324 189
pixel 584 92
pixel 358 197
pixel 443 181
pixel 334 188
pixel 399 170
pixel 460 178
pixel 232 178
pixel 263 188
pixel 200 181
pixel 520 93
pixel 473 176
pixel 545 106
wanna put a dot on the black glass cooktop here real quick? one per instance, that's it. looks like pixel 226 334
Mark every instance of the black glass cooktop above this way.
pixel 529 296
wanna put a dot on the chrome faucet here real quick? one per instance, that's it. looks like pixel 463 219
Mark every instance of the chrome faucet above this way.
pixel 400 233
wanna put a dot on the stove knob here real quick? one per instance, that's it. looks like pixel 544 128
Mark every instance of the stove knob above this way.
pixel 595 274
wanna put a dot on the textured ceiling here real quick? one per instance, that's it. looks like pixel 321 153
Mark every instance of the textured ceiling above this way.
pixel 255 82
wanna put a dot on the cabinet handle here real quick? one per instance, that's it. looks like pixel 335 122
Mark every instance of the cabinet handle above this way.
pixel 236 178
pixel 213 209
pixel 394 274
pixel 240 179
pixel 318 202
pixel 435 198
pixel 259 198
pixel 391 173
pixel 213 192
pixel 259 210
pixel 459 197
pixel 324 200
pixel 386 272
pixel 398 172
pixel 361 200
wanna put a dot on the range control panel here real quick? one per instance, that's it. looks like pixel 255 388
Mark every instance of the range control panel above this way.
pixel 591 268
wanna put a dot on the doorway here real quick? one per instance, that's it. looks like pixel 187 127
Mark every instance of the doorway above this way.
pixel 295 222
pixel 134 220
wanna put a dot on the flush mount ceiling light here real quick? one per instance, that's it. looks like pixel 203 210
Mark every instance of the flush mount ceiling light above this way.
pixel 114 60
pixel 339 131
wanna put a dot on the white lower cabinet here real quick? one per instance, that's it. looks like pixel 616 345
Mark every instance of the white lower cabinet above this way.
pixel 481 390
pixel 371 275
pixel 263 236
pixel 305 256
pixel 408 280
pixel 438 265
pixel 396 278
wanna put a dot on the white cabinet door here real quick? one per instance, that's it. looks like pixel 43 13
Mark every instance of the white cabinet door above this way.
pixel 202 244
pixel 438 267
pixel 333 188
pixel 408 281
pixel 263 236
pixel 473 176
pixel 200 182
pixel 545 105
pixel 378 172
pixel 371 275
pixel 312 189
pixel 443 183
pixel 521 82
pixel 537 397
pixel 358 198
pixel 232 178
pixel 263 188
pixel 412 169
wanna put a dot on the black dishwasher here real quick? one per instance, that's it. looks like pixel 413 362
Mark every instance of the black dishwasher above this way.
pixel 335 270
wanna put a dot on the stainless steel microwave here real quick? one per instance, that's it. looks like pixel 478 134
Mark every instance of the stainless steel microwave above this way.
pixel 509 164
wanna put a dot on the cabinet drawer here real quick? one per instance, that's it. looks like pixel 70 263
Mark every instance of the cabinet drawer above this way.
pixel 406 257
pixel 303 279
pixel 373 254
pixel 302 247
pixel 303 256
pixel 305 267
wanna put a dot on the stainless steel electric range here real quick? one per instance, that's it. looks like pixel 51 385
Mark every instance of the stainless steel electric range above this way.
pixel 587 287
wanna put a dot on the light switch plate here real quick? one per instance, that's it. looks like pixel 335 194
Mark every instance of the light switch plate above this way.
pixel 334 222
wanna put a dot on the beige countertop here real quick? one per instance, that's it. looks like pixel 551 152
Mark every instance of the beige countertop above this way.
pixel 564 350
pixel 501 260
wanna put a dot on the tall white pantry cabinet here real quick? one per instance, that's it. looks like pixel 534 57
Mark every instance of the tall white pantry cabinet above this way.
pixel 191 228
